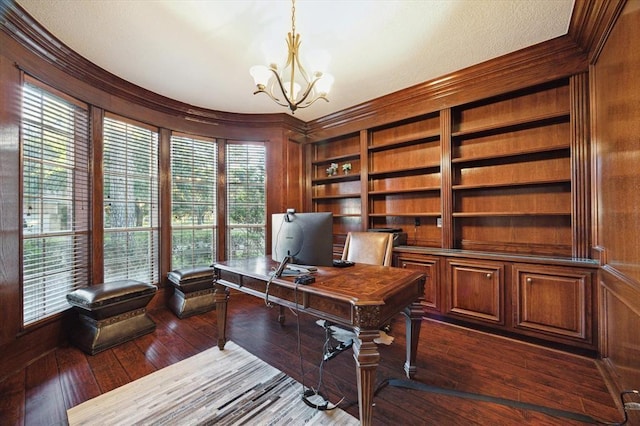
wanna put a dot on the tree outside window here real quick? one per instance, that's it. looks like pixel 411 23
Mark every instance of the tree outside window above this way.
pixel 246 200
pixel 194 179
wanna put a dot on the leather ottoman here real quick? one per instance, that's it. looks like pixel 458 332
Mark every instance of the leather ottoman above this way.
pixel 110 314
pixel 193 292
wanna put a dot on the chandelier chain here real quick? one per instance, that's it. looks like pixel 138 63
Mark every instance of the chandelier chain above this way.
pixel 293 17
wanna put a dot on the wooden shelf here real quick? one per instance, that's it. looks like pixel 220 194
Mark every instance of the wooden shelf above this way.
pixel 400 142
pixel 336 196
pixel 381 174
pixel 337 178
pixel 336 159
pixel 519 124
pixel 404 191
pixel 515 154
pixel 514 214
pixel 511 185
pixel 417 214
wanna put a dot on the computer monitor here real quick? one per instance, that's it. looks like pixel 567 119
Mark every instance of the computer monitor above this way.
pixel 307 237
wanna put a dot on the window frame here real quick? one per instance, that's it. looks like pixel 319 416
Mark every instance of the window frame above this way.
pixel 249 227
pixel 78 217
pixel 214 225
pixel 152 230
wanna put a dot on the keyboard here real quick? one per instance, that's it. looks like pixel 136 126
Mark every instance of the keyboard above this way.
pixel 301 268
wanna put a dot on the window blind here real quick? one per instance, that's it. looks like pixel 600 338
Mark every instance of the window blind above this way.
pixel 130 168
pixel 194 179
pixel 246 200
pixel 55 200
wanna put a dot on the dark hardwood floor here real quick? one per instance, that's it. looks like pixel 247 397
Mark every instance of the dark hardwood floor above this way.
pixel 449 357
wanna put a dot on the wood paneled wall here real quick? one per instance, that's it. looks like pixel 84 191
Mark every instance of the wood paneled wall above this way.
pixel 615 91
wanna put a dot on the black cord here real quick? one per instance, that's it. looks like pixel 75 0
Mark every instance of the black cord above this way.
pixel 287 219
pixel 284 219
pixel 310 392
pixel 295 299
pixel 266 291
pixel 410 384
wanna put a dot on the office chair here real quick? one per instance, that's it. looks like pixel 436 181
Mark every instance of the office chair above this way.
pixel 374 248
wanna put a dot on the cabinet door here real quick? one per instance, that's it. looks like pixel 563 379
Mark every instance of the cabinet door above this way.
pixel 476 291
pixel 429 266
pixel 553 301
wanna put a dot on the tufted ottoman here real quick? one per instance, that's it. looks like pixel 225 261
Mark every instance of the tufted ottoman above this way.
pixel 193 291
pixel 110 314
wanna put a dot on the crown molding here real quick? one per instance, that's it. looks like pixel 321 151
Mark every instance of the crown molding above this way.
pixel 547 61
pixel 591 23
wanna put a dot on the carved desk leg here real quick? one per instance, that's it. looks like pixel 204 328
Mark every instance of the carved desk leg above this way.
pixel 221 296
pixel 413 315
pixel 366 354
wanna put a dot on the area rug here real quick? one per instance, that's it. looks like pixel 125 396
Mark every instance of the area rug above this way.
pixel 229 387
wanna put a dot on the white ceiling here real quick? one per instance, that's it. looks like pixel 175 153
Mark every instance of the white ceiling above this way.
pixel 200 51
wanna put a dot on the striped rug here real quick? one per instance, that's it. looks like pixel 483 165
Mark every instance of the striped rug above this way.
pixel 230 387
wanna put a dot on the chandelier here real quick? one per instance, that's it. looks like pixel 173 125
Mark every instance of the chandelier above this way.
pixel 288 81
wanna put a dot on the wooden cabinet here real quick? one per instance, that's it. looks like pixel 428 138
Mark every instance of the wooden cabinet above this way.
pixel 430 266
pixel 556 302
pixel 511 294
pixel 475 290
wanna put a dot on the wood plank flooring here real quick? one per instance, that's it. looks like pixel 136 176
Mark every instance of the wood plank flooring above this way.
pixel 449 357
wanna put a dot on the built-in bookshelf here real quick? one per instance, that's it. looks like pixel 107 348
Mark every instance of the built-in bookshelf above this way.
pixel 508 187
pixel 404 178
pixel 511 172
pixel 336 188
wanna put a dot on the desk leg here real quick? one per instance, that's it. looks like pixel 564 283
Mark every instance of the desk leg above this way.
pixel 366 354
pixel 221 296
pixel 413 315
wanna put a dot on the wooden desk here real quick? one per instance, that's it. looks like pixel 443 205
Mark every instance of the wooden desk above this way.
pixel 362 297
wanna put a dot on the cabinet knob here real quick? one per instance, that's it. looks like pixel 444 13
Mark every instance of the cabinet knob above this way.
pixel 529 280
pixel 489 275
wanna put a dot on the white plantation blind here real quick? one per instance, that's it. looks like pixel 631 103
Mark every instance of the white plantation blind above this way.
pixel 194 179
pixel 55 200
pixel 130 168
pixel 246 200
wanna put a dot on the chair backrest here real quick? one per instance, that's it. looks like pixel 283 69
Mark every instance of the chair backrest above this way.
pixel 374 248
